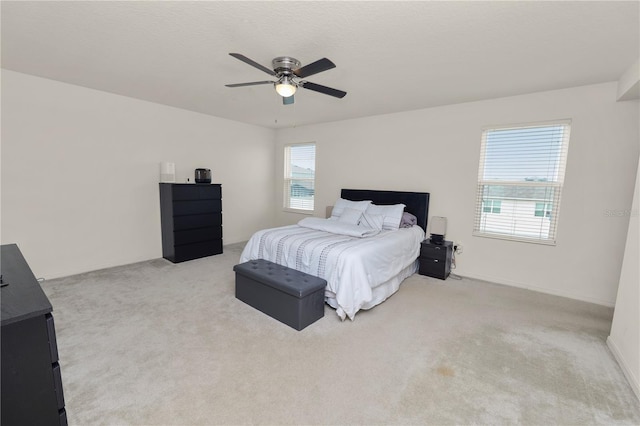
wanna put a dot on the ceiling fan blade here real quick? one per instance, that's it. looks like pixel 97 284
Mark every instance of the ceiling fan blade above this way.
pixel 314 68
pixel 287 101
pixel 323 89
pixel 252 63
pixel 253 83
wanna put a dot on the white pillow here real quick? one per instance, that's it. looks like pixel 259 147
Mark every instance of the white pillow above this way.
pixel 351 216
pixel 373 221
pixel 392 215
pixel 342 204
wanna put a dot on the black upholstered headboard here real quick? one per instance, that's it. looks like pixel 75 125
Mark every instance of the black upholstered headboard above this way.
pixel 417 203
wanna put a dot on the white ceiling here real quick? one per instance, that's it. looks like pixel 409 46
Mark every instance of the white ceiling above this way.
pixel 390 56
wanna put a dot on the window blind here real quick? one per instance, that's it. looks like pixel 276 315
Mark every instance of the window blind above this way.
pixel 520 181
pixel 299 176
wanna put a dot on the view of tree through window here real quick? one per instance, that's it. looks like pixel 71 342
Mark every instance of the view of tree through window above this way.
pixel 300 165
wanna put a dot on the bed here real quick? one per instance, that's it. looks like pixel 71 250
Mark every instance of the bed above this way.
pixel 360 272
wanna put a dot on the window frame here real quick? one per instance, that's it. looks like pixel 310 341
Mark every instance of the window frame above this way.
pixel 288 179
pixel 555 186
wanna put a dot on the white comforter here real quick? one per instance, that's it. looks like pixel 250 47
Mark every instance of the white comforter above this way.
pixel 337 227
pixel 352 266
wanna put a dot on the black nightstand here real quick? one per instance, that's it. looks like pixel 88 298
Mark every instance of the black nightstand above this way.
pixel 435 259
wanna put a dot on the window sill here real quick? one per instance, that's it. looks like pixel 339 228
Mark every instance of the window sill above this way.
pixel 515 238
pixel 298 211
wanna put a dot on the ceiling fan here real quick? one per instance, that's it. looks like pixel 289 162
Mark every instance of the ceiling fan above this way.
pixel 289 73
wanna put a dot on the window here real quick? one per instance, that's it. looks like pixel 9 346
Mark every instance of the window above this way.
pixel 491 206
pixel 521 175
pixel 543 210
pixel 299 176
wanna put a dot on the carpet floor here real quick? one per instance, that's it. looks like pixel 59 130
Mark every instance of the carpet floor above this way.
pixel 155 343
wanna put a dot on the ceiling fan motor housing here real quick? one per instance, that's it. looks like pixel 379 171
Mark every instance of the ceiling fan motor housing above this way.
pixel 284 65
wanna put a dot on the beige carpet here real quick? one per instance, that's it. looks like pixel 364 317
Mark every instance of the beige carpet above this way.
pixel 161 344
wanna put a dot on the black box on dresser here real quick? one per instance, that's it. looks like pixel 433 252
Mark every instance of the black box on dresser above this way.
pixel 191 219
pixel 31 385
pixel 435 259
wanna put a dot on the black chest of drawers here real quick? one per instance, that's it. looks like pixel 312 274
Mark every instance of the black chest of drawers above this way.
pixel 31 381
pixel 191 218
pixel 435 259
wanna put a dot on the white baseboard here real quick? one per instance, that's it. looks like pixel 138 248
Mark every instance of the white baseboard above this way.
pixel 495 280
pixel 96 266
pixel 633 381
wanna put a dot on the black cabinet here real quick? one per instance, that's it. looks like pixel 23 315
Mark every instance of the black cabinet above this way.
pixel 31 385
pixel 435 259
pixel 191 218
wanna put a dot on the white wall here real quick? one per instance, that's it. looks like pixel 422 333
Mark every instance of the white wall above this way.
pixel 437 150
pixel 80 172
pixel 629 83
pixel 624 339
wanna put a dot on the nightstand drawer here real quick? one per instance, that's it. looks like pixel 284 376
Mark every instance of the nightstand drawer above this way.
pixel 432 261
pixel 436 268
pixel 433 251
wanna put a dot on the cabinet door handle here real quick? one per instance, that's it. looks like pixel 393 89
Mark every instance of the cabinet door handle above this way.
pixel 435 260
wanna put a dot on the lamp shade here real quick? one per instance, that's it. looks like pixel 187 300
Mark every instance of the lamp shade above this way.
pixel 285 87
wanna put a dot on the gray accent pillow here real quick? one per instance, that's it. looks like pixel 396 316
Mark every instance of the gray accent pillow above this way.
pixel 408 220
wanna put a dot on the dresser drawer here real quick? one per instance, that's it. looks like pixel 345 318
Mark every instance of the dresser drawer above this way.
pixel 207 192
pixel 197 250
pixel 57 381
pixel 51 335
pixel 196 192
pixel 181 208
pixel 196 235
pixel 433 251
pixel 197 221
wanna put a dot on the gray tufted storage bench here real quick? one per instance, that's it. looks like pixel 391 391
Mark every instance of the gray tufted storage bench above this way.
pixel 292 297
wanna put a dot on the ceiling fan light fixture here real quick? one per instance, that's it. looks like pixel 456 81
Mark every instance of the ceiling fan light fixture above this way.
pixel 286 87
